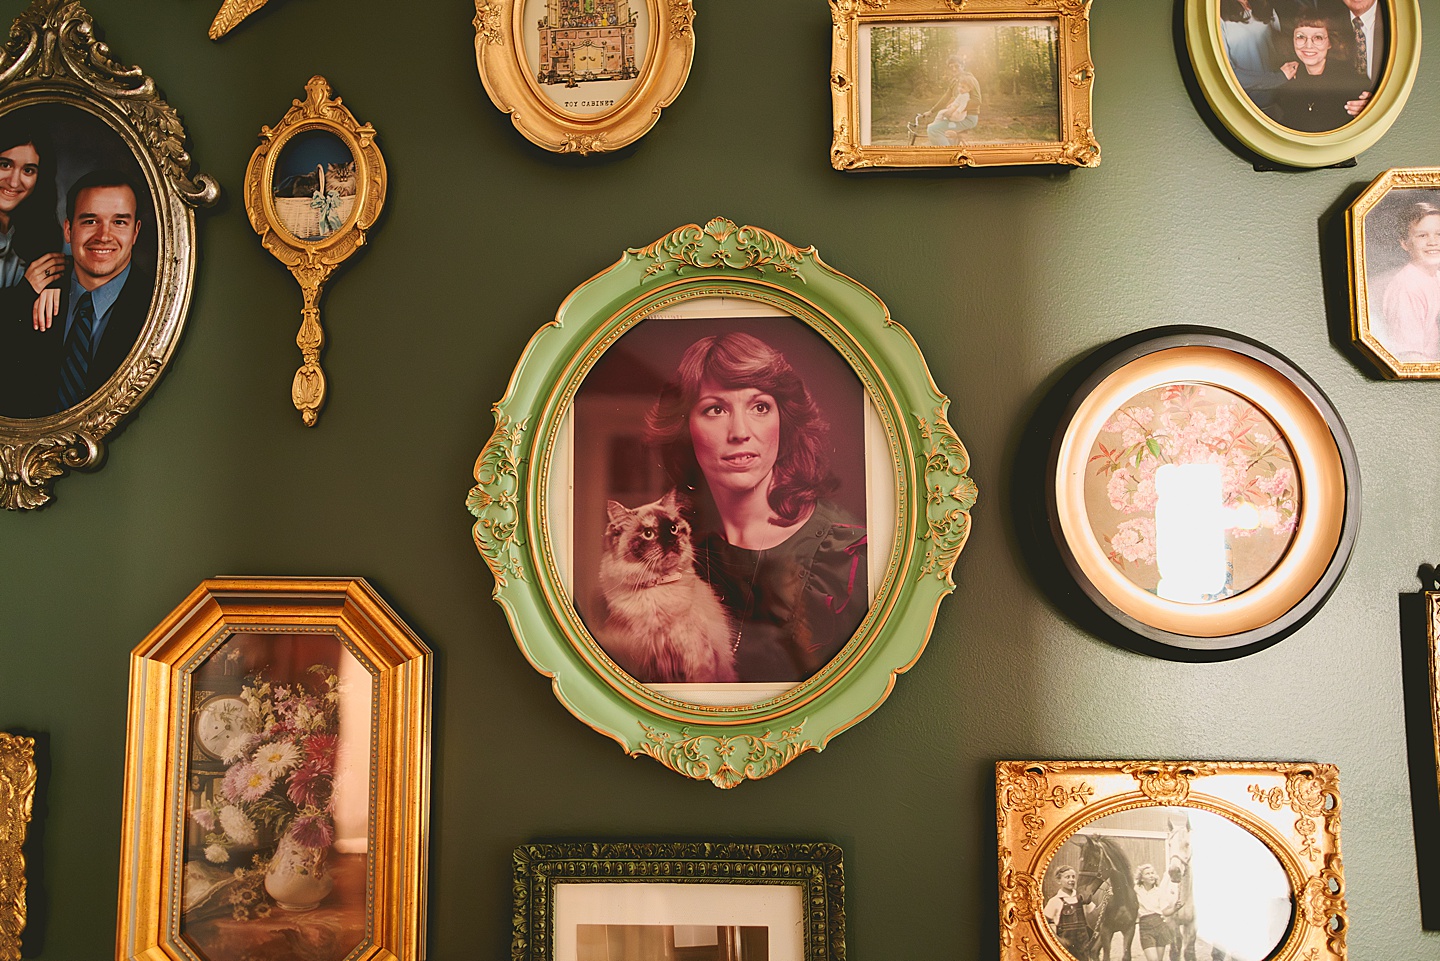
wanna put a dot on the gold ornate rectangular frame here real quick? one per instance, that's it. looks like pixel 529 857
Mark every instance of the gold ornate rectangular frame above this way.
pixel 1068 52
pixel 165 883
pixel 1292 809
pixel 17 797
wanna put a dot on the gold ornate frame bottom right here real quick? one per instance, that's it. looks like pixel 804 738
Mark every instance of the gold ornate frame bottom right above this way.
pixel 1241 856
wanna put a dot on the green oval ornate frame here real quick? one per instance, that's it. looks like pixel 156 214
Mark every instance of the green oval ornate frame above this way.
pixel 1281 144
pixel 933 496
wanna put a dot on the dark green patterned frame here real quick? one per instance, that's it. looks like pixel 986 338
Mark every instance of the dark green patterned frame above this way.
pixel 815 867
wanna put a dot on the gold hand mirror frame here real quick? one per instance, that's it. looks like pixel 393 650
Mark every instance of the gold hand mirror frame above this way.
pixel 312 207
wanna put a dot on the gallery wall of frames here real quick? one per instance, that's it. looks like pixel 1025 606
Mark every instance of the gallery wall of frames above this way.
pixel 1086 383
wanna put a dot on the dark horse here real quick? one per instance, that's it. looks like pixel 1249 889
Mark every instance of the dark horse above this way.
pixel 1102 862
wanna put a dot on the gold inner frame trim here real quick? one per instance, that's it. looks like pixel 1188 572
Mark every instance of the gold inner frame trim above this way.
pixel 1318 465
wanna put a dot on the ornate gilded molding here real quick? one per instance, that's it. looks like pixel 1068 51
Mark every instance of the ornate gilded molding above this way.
pixel 1021 897
pixel 1074 143
pixel 495 501
pixel 56 40
pixel 17 798
pixel 489 22
pixel 230 14
pixel 724 761
pixel 720 244
pixel 950 494
pixel 1259 798
pixel 54 56
pixel 312 259
pixel 682 19
pixel 1167 783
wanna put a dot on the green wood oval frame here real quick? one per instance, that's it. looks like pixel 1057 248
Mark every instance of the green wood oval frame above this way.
pixel 933 497
pixel 1281 144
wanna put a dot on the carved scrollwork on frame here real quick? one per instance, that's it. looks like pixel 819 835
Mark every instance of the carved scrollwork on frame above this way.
pixel 725 762
pixel 314 220
pixel 950 494
pixel 1167 783
pixel 720 243
pixel 816 869
pixel 495 501
pixel 17 797
pixel 59 78
pixel 1234 821
pixel 956 134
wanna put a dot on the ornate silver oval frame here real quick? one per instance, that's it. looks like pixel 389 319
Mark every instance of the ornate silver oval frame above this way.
pixel 53 56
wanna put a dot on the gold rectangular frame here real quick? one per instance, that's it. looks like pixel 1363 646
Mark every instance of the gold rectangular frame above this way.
pixel 1074 76
pixel 17 799
pixel 160 760
pixel 1293 809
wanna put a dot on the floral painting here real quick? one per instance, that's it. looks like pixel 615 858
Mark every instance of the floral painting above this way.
pixel 277 802
pixel 1192 492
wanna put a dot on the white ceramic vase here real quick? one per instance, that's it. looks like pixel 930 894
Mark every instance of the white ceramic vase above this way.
pixel 297 877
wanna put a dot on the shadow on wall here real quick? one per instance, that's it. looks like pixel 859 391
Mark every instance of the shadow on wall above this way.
pixel 1417 659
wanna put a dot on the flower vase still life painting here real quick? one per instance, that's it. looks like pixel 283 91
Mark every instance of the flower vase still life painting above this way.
pixel 277 801
pixel 1192 492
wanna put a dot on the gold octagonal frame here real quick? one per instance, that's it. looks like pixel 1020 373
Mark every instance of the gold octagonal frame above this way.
pixel 169 762
pixel 1367 242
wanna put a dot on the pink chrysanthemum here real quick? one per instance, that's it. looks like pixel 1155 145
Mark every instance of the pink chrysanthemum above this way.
pixel 309 787
pixel 313 831
pixel 320 752
pixel 203 817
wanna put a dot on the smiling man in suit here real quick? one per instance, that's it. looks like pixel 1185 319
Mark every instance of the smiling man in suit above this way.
pixel 103 305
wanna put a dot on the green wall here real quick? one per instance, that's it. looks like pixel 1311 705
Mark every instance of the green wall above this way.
pixel 1004 278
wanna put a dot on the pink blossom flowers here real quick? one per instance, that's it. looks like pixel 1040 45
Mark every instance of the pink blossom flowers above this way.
pixel 1192 424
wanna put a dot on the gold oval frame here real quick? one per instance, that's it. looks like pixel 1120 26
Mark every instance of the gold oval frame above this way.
pixel 312 261
pixel 1361 330
pixel 1291 808
pixel 500 58
pixel 1325 465
pixel 53 56
pixel 1279 143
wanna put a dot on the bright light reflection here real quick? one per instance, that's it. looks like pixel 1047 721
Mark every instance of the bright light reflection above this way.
pixel 1242 896
pixel 1190 524
pixel 1189 532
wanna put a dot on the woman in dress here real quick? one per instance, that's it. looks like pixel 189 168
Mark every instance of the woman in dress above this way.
pixel 1321 80
pixel 741 435
pixel 1157 902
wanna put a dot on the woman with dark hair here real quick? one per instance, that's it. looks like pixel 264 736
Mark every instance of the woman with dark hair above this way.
pixel 29 228
pixel 740 433
pixel 1322 78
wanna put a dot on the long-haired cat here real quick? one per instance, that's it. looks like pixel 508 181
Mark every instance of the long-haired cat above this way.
pixel 666 624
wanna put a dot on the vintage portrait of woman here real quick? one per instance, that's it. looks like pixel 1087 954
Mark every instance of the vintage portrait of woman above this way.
pixel 731 546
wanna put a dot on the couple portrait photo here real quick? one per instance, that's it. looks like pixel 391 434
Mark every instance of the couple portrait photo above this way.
pixel 1309 65
pixel 77 258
